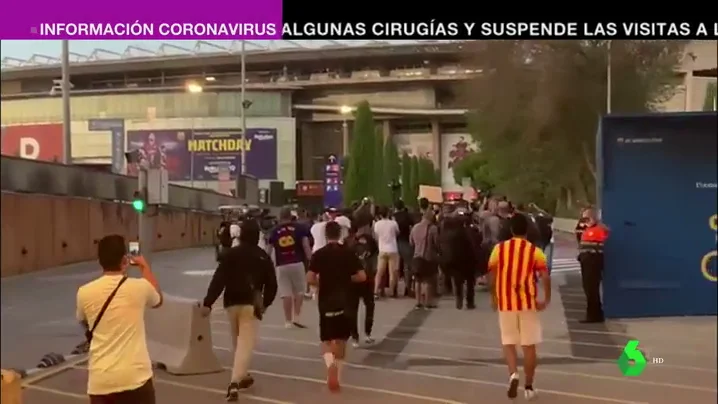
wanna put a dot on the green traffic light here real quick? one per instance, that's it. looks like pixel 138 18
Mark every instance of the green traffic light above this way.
pixel 139 205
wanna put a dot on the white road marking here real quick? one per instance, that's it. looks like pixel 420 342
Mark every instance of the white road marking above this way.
pixel 199 272
pixel 430 375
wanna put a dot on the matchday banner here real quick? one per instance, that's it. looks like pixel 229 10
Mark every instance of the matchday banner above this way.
pixel 138 19
pixel 269 19
pixel 436 29
pixel 202 154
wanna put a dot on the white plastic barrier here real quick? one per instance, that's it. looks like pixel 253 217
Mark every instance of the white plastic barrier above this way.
pixel 179 338
pixel 565 225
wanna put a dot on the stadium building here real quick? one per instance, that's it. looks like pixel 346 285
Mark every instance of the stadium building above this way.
pixel 184 104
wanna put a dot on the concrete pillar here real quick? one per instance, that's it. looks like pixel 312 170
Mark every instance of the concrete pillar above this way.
pixel 688 84
pixel 386 129
pixel 435 143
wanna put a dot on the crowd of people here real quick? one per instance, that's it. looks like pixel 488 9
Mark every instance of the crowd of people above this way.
pixel 343 259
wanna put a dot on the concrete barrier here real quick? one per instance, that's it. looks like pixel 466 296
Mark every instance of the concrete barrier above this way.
pixel 43 231
pixel 31 176
pixel 11 390
pixel 179 338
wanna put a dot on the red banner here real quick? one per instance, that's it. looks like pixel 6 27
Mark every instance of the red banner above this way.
pixel 310 188
pixel 35 142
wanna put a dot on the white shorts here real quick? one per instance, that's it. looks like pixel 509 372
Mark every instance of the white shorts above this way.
pixel 291 280
pixel 520 327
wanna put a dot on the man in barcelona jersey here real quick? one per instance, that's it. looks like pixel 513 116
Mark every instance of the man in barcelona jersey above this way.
pixel 514 266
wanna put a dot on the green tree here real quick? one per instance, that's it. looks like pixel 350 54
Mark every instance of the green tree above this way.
pixel 392 161
pixel 357 183
pixel 414 180
pixel 426 172
pixel 709 104
pixel 380 190
pixel 475 167
pixel 406 179
pixel 537 124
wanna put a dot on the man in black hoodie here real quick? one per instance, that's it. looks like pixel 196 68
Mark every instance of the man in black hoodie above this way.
pixel 247 277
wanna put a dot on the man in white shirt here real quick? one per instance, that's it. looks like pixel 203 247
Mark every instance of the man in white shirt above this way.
pixel 119 366
pixel 386 231
pixel 318 229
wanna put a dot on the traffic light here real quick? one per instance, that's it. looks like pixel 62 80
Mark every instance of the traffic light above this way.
pixel 138 202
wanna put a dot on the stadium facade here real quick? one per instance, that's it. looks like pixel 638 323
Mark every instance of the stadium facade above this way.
pixel 188 101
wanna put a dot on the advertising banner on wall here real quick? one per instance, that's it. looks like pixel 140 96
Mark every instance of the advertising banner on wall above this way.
pixel 198 154
pixel 454 147
pixel 35 142
pixel 117 129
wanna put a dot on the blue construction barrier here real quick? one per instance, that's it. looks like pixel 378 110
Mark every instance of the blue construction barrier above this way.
pixel 657 184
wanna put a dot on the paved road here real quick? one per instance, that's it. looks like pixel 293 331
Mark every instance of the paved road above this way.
pixel 439 356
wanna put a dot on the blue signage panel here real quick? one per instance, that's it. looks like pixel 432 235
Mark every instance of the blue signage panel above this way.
pixel 332 182
pixel 659 200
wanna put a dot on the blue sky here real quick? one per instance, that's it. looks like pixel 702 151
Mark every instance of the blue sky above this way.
pixel 25 49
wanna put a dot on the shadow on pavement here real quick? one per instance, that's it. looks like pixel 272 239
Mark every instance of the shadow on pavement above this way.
pixel 405 330
pixel 599 342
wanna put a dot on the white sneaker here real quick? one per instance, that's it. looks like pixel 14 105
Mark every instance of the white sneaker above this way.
pixel 288 324
pixel 356 344
pixel 513 386
pixel 369 340
pixel 530 395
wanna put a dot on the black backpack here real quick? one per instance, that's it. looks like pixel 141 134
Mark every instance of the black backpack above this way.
pixel 504 229
pixel 224 236
pixel 545 229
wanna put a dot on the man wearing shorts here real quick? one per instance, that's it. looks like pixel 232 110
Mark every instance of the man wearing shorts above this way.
pixel 513 268
pixel 334 269
pixel 386 231
pixel 289 244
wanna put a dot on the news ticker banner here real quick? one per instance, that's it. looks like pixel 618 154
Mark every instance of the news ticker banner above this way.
pixel 270 19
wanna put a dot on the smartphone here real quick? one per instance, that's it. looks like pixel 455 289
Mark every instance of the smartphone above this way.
pixel 133 250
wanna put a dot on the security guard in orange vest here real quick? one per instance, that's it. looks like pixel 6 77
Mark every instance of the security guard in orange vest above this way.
pixel 591 259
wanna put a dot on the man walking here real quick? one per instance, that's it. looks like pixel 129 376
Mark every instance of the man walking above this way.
pixel 365 249
pixel 386 231
pixel 246 276
pixel 514 265
pixel 404 221
pixel 290 246
pixel 424 239
pixel 112 308
pixel 333 269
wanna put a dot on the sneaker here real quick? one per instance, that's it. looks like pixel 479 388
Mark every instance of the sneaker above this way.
pixel 530 394
pixel 419 307
pixel 288 324
pixel 233 392
pixel 333 378
pixel 355 343
pixel 369 340
pixel 513 386
pixel 246 382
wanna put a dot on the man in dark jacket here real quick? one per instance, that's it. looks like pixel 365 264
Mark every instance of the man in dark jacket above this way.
pixel 247 277
pixel 458 259
pixel 406 253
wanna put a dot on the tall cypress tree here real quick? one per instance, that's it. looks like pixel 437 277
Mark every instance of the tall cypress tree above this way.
pixel 406 179
pixel 359 173
pixel 379 180
pixel 414 182
pixel 392 166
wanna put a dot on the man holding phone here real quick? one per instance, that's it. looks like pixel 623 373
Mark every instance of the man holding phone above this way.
pixel 112 309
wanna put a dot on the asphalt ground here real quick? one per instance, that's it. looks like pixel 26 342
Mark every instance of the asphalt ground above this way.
pixel 437 356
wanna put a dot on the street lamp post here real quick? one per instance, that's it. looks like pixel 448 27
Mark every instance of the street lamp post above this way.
pixel 66 114
pixel 609 84
pixel 245 106
pixel 192 88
